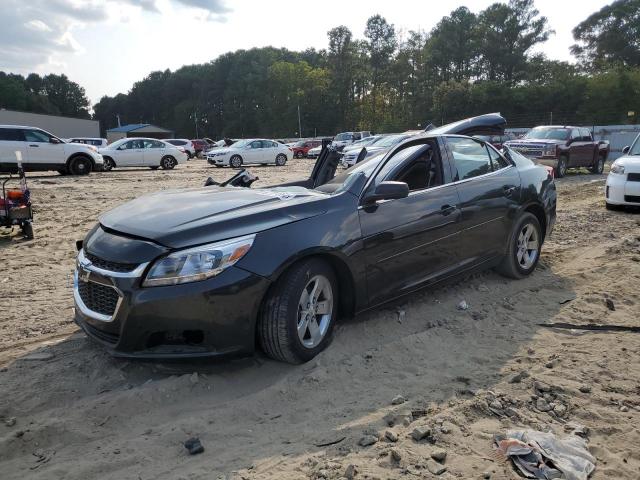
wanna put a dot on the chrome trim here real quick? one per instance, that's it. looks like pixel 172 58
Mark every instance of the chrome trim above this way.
pixel 86 311
pixel 85 263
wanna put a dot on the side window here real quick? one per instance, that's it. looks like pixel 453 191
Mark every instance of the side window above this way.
pixel 11 135
pixel 469 156
pixel 157 144
pixel 497 160
pixel 37 136
pixel 256 144
pixel 127 145
pixel 586 134
pixel 575 134
pixel 421 172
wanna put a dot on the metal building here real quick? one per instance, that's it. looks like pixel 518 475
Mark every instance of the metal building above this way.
pixel 137 130
pixel 63 127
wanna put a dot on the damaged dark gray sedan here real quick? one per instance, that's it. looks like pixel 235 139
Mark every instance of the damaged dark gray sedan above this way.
pixel 225 269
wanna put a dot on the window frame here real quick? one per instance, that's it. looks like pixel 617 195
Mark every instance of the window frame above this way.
pixel 452 163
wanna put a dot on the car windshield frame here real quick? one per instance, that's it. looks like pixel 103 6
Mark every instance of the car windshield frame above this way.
pixel 547 136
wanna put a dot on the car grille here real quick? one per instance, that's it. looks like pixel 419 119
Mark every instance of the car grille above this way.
pixel 633 177
pixel 632 198
pixel 111 266
pixel 528 150
pixel 101 335
pixel 99 298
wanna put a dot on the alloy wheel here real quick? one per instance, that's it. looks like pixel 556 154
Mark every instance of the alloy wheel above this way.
pixel 528 246
pixel 315 310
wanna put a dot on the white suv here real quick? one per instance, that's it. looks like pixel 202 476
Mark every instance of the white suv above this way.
pixel 41 151
pixel 189 149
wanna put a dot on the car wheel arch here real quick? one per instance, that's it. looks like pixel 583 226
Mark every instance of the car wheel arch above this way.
pixel 538 211
pixel 73 156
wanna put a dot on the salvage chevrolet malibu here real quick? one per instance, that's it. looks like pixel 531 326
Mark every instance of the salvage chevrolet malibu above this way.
pixel 227 268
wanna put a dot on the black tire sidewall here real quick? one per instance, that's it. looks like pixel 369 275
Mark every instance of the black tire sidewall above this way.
pixel 280 155
pixel 78 161
pixel 231 161
pixel 310 269
pixel 513 246
pixel 165 165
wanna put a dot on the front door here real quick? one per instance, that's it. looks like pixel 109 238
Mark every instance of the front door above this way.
pixel 43 149
pixel 154 150
pixel 131 154
pixel 409 242
pixel 12 141
pixel 489 189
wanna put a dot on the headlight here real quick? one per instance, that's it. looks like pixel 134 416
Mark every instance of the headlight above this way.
pixel 199 263
pixel 549 151
pixel 617 168
pixel 91 147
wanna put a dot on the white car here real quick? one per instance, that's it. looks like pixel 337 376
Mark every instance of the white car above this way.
pixel 189 148
pixel 142 152
pixel 40 151
pixel 314 152
pixel 254 150
pixel 343 139
pixel 623 182
pixel 96 142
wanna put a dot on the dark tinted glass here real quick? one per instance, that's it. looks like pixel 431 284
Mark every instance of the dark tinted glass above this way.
pixel 11 134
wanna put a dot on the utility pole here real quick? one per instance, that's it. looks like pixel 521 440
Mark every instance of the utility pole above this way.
pixel 118 118
pixel 550 118
pixel 195 120
pixel 299 123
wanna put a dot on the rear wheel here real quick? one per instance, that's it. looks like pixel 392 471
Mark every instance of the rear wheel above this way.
pixel 524 248
pixel 236 161
pixel 281 159
pixel 561 168
pixel 297 318
pixel 598 167
pixel 80 166
pixel 168 162
pixel 299 154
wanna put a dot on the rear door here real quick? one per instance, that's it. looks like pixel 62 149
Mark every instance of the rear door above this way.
pixel 153 152
pixel 489 189
pixel 410 242
pixel 43 150
pixel 12 141
pixel 269 151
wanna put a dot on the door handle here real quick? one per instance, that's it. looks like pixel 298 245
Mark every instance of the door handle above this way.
pixel 34 146
pixel 508 191
pixel 447 209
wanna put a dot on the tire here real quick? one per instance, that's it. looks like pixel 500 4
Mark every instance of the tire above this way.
pixel 155 167
pixel 168 162
pixel 515 264
pixel 27 230
pixel 598 168
pixel 109 164
pixel 235 161
pixel 63 171
pixel 299 154
pixel 614 208
pixel 281 159
pixel 282 316
pixel 561 168
pixel 80 165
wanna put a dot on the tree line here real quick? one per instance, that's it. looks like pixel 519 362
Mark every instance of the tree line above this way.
pixel 388 80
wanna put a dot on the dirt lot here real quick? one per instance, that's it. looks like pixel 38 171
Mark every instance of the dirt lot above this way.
pixel 69 411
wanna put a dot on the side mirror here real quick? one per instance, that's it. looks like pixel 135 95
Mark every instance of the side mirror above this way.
pixel 626 149
pixel 570 141
pixel 388 191
pixel 55 140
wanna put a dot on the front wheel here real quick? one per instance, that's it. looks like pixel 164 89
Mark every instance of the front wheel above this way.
pixel 80 166
pixel 598 168
pixel 236 161
pixel 281 159
pixel 523 251
pixel 168 162
pixel 108 165
pixel 298 315
pixel 299 154
pixel 27 230
pixel 561 168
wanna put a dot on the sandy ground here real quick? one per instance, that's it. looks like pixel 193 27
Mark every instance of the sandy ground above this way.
pixel 69 411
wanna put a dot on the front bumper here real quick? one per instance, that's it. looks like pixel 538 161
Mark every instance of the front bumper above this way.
pixel 620 191
pixel 200 319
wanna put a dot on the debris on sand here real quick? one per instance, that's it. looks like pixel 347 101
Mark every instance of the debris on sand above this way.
pixel 463 305
pixel 194 446
pixel 610 305
pixel 368 440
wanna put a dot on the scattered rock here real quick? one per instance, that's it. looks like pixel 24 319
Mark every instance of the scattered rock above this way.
pixel 420 433
pixel 350 472
pixel 19 433
pixel 486 475
pixel 624 408
pixel 399 417
pixel 610 304
pixel 193 378
pixel 541 387
pixel 194 446
pixel 559 409
pixel 543 405
pixel 367 440
pixel 585 388
pixel 496 404
pixel 549 365
pixel 396 456
pixel 439 455
pixel 116 451
pixel 398 399
pixel 10 422
pixel 463 305
pixel 391 436
pixel 401 315
pixel 518 377
pixel 435 468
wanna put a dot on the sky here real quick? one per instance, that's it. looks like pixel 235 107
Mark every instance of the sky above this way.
pixel 107 45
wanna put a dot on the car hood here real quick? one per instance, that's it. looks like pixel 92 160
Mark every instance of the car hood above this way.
pixel 629 161
pixel 188 217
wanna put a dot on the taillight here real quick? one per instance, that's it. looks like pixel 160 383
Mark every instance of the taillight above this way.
pixel 181 149
pixel 15 195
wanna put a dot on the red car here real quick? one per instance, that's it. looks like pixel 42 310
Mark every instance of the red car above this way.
pixel 199 145
pixel 301 148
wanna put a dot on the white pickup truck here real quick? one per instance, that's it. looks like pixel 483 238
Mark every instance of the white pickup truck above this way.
pixel 40 151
